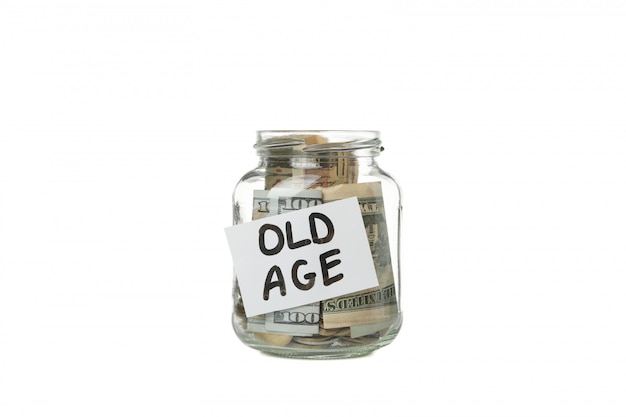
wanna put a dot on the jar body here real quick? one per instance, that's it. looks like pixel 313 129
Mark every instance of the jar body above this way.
pixel 318 167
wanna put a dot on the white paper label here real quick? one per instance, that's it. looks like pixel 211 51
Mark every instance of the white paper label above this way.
pixel 301 257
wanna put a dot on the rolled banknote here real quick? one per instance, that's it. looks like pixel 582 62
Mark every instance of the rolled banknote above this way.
pixel 283 200
pixel 298 321
pixel 377 305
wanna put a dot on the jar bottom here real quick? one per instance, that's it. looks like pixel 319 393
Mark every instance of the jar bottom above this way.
pixel 331 348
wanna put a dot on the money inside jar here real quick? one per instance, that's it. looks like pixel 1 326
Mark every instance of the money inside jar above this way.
pixel 306 169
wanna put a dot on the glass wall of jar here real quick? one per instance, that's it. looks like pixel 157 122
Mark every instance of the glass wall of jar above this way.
pixel 326 166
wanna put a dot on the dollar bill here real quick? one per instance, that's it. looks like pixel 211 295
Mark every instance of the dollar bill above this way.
pixel 283 200
pixel 377 305
pixel 260 204
pixel 298 321
pixel 329 172
pixel 311 172
pixel 277 171
pixel 370 328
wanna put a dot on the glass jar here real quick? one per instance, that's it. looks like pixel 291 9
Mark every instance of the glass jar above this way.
pixel 303 169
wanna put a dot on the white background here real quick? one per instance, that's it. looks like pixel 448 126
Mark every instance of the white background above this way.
pixel 124 126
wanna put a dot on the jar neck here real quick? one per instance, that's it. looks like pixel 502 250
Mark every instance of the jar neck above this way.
pixel 320 158
pixel 309 162
pixel 318 144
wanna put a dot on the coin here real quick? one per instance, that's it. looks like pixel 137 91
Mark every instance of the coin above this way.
pixel 358 341
pixel 314 341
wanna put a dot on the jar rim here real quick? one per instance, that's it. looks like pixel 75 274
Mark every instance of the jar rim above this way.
pixel 317 141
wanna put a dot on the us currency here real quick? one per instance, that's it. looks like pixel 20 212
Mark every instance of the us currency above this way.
pixel 277 171
pixel 260 204
pixel 313 172
pixel 294 322
pixel 376 305
pixel 329 172
pixel 341 168
pixel 283 200
pixel 298 321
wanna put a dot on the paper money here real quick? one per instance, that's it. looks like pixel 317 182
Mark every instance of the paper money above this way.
pixel 285 200
pixel 357 309
pixel 298 321
pixel 277 171
pixel 260 204
pixel 353 317
pixel 370 328
pixel 331 171
pixel 376 305
pixel 304 171
pixel 302 321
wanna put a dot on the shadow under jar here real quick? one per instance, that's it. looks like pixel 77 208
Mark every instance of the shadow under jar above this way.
pixel 301 169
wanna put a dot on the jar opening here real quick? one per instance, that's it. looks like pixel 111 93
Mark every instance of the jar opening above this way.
pixel 317 142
